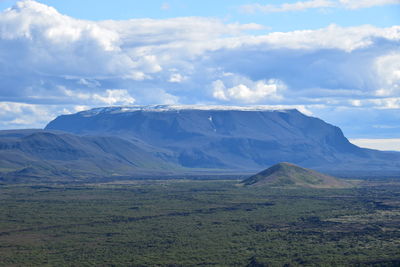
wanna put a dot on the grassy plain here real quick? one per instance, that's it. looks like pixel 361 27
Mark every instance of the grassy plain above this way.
pixel 189 223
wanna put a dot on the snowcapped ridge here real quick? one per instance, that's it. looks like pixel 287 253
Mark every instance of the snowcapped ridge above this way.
pixel 164 108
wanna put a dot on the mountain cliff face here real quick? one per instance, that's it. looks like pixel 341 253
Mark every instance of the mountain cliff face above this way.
pixel 229 138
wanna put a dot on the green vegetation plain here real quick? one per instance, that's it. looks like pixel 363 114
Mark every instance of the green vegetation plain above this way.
pixel 192 223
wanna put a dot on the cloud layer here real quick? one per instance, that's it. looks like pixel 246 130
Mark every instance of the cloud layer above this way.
pixel 380 144
pixel 312 4
pixel 52 64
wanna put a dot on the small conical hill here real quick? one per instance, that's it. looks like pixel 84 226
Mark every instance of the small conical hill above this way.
pixel 289 175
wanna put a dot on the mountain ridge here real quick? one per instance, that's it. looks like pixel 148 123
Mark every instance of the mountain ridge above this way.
pixel 41 154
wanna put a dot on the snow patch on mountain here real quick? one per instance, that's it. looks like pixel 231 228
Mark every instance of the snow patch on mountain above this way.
pixel 166 108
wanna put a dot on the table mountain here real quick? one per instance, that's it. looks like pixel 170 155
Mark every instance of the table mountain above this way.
pixel 220 137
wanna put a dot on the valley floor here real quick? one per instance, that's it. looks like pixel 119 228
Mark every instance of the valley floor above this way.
pixel 208 223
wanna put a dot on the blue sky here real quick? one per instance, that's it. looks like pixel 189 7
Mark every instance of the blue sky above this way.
pixel 382 15
pixel 338 60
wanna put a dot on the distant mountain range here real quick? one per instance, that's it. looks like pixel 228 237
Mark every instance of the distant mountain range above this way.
pixel 125 141
pixel 38 155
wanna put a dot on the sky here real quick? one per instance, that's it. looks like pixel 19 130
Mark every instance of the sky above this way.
pixel 338 60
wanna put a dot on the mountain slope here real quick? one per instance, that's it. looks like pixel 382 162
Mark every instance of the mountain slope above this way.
pixel 37 153
pixel 289 175
pixel 230 137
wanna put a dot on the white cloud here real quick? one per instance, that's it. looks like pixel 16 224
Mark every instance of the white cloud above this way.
pixel 149 64
pixel 356 102
pixel 385 103
pixel 115 97
pixel 176 78
pixel 331 37
pixel 356 4
pixel 376 103
pixel 312 4
pixel 89 83
pixel 380 144
pixel 219 90
pixel 21 115
pixel 109 97
pixel 388 73
pixel 80 108
pixel 18 108
pixel 248 91
pixel 297 6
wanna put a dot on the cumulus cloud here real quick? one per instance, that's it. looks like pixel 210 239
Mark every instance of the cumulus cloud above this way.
pixel 176 78
pixel 109 97
pixel 388 72
pixel 247 91
pixel 331 37
pixel 22 115
pixel 50 50
pixel 312 4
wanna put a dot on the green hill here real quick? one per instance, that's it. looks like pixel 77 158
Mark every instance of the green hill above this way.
pixel 289 175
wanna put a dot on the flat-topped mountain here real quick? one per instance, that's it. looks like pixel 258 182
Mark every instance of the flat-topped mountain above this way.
pixel 220 137
pixel 289 175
